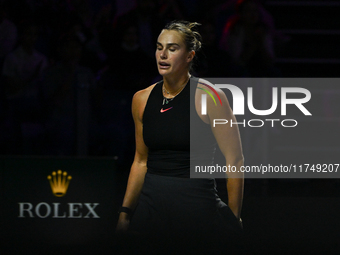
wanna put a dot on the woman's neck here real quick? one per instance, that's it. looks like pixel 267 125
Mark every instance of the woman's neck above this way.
pixel 174 83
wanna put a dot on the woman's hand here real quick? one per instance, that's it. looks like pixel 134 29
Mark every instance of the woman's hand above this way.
pixel 138 168
pixel 123 223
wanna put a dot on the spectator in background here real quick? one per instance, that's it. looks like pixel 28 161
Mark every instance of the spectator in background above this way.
pixel 131 66
pixel 93 56
pixel 22 72
pixel 220 13
pixel 169 10
pixel 103 24
pixel 8 34
pixel 24 67
pixel 82 10
pixel 214 62
pixel 148 23
pixel 67 91
pixel 8 39
pixel 247 38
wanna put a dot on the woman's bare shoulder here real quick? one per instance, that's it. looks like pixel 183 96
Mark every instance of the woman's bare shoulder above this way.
pixel 207 84
pixel 139 100
pixel 204 83
pixel 143 95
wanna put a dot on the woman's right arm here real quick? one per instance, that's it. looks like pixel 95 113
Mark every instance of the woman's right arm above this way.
pixel 138 168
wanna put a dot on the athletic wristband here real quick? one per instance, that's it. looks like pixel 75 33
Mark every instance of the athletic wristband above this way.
pixel 127 210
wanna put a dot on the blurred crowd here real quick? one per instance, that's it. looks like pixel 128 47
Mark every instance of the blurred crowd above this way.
pixel 69 68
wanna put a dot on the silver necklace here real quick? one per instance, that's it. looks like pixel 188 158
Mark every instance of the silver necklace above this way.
pixel 167 100
pixel 165 91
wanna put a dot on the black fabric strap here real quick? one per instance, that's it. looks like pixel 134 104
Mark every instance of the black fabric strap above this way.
pixel 127 210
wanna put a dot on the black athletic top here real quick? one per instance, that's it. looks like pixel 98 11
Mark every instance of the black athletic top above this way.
pixel 168 136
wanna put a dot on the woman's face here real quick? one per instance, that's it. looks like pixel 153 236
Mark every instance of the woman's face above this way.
pixel 171 54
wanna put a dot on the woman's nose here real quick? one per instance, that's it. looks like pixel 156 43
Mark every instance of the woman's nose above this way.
pixel 163 54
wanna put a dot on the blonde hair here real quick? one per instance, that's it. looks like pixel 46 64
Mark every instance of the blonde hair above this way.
pixel 191 37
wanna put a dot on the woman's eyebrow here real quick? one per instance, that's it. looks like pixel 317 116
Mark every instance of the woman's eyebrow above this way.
pixel 168 44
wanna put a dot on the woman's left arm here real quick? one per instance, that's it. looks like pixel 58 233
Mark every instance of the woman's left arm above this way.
pixel 229 141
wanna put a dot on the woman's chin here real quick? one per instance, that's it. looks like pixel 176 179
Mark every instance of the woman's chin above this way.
pixel 164 71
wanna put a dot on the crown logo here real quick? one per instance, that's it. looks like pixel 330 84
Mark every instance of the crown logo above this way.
pixel 59 183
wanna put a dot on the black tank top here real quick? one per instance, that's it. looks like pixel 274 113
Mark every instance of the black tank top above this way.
pixel 166 133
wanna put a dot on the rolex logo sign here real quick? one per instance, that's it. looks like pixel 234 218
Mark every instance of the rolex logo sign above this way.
pixel 57 207
pixel 59 183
